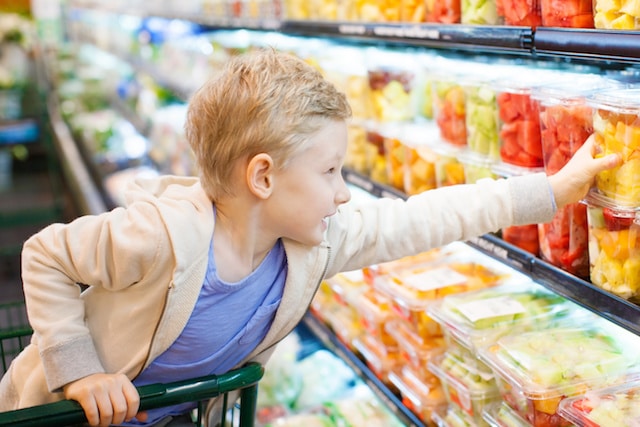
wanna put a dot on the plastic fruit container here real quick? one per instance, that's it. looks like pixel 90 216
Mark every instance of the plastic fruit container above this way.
pixel 391 82
pixel 482 119
pixel 375 311
pixel 567 13
pixel 502 415
pixel 414 287
pixel 479 318
pixel 444 12
pixel 564 242
pixel 465 386
pixel 415 349
pixel 376 156
pixel 357 157
pixel 452 416
pixel 536 370
pixel 616 15
pixel 449 108
pixel 376 11
pixel 614 246
pixel 616 123
pixel 422 395
pixel 396 148
pixel 380 358
pixel 607 407
pixel 479 12
pixel 520 12
pixel 476 167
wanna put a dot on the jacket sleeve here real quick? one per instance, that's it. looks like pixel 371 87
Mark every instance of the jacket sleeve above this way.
pixel 388 229
pixel 113 251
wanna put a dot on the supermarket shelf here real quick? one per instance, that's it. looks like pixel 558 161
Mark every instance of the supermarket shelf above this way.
pixel 452 36
pixel 331 341
pixel 87 194
pixel 600 45
pixel 583 293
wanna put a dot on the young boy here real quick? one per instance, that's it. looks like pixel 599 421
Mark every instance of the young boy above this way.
pixel 198 276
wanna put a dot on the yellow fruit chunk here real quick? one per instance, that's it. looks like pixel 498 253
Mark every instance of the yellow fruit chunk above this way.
pixel 631 7
pixel 548 406
pixel 624 22
pixel 607 5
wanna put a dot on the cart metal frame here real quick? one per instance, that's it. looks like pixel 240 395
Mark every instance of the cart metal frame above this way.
pixel 15 335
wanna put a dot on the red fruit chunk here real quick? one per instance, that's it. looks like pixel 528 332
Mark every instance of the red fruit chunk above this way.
pixel 616 220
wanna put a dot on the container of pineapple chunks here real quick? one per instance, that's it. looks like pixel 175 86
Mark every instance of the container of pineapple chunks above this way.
pixel 537 370
pixel 616 124
pixel 607 407
pixel 614 246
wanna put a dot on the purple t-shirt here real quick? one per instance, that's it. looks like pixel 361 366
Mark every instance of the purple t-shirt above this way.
pixel 227 323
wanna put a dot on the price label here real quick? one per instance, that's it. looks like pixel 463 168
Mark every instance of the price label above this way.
pixel 435 279
pixel 490 307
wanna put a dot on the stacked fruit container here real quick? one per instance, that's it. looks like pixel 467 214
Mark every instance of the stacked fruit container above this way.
pixel 613 205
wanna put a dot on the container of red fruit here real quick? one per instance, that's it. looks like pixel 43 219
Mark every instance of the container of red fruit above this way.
pixel 566 121
pixel 443 11
pixel 567 13
pixel 614 246
pixel 520 12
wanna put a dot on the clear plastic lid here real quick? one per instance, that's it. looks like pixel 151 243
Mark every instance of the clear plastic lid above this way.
pixel 472 382
pixel 422 392
pixel 414 286
pixel 623 100
pixel 596 199
pixel 419 349
pixel 563 361
pixel 450 416
pixel 606 407
pixel 500 414
pixel 479 318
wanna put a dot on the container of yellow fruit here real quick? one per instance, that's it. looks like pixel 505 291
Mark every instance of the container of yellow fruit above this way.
pixel 616 14
pixel 614 246
pixel 616 124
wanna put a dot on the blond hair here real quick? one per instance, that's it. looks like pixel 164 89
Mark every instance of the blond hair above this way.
pixel 264 101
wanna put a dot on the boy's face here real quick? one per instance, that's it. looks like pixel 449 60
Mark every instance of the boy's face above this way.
pixel 311 187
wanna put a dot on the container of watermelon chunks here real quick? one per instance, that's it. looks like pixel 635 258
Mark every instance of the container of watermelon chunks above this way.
pixel 566 121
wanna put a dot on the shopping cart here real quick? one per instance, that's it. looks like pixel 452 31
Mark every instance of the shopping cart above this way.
pixel 15 334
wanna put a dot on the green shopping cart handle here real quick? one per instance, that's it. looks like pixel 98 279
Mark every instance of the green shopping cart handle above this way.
pixel 67 412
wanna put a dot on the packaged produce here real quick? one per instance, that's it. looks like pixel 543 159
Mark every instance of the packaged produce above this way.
pixel 526 237
pixel 567 13
pixel 616 123
pixel 396 148
pixel 616 15
pixel 617 406
pixel 476 167
pixel 413 11
pixel 564 242
pixel 614 246
pixel 500 414
pixel 536 370
pixel 479 12
pixel 378 11
pixel 361 409
pixel 379 357
pixel 357 157
pixel 444 12
pixel 450 109
pixel 452 416
pixel 376 158
pixel 376 313
pixel 415 349
pixel 482 119
pixel 413 287
pixel 413 148
pixel 469 387
pixel 478 318
pixel 520 12
pixel 391 82
pixel 421 394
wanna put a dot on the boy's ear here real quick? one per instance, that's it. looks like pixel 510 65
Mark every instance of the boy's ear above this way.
pixel 260 175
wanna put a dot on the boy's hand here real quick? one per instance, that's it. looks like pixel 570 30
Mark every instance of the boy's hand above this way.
pixel 572 182
pixel 106 398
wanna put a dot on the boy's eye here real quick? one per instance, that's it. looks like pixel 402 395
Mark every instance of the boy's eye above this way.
pixel 331 170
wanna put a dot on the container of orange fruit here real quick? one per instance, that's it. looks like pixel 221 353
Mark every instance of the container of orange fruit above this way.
pixel 616 15
pixel 567 13
pixel 614 246
pixel 616 124
pixel 449 106
pixel 443 11
pixel 520 12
